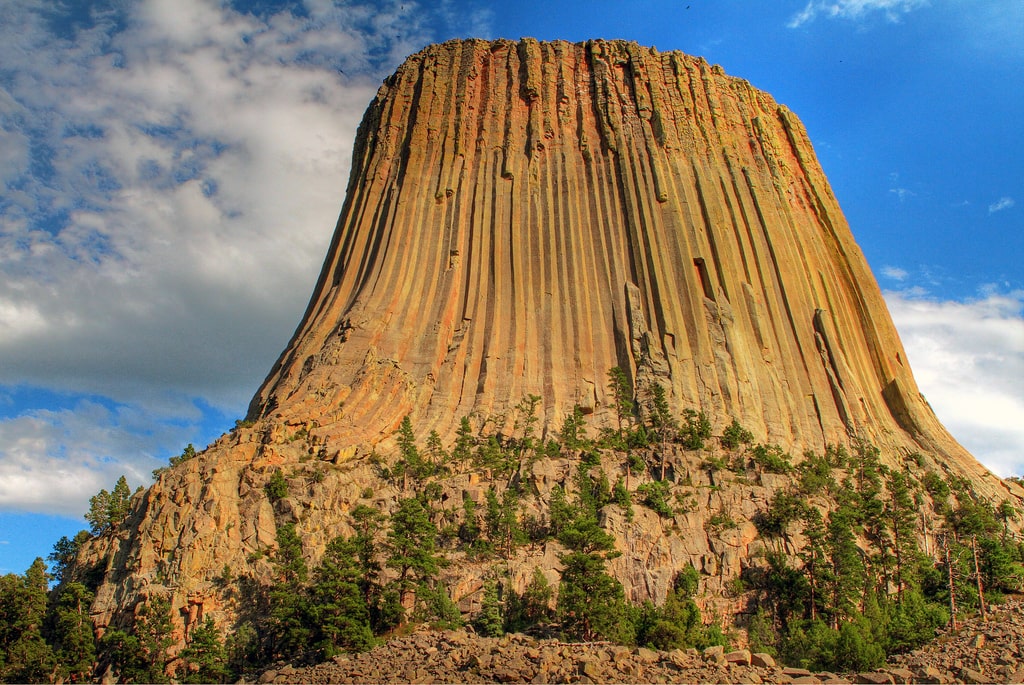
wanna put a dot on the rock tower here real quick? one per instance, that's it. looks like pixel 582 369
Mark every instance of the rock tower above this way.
pixel 520 218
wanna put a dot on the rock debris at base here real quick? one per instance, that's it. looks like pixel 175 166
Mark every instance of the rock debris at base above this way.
pixel 990 651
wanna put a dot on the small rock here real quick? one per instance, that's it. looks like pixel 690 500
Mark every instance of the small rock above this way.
pixel 762 660
pixel 874 678
pixel 795 672
pixel 902 676
pixel 589 669
pixel 714 653
pixel 805 680
pixel 740 657
pixel 929 674
pixel 969 675
pixel 979 641
pixel 267 677
pixel 648 655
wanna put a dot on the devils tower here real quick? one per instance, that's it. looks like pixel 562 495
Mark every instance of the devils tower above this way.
pixel 520 218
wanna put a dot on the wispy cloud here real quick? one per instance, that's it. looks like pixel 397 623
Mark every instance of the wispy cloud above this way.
pixel 1001 204
pixel 895 273
pixel 853 10
pixel 968 359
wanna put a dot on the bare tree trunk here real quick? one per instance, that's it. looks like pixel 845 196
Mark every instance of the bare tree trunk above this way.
pixel 977 574
pixel 952 591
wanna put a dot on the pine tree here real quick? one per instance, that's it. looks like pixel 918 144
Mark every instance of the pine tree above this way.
pixel 490 621
pixel 591 603
pixel 153 629
pixel 502 519
pixel 64 552
pixel 662 423
pixel 367 522
pixel 338 607
pixel 815 560
pixel 462 451
pixel 411 547
pixel 526 423
pixel 291 628
pixel 72 633
pixel 25 655
pixel 847 569
pixel 531 608
pixel 900 513
pixel 98 515
pixel 122 652
pixel 574 430
pixel 205 657
pixel 622 397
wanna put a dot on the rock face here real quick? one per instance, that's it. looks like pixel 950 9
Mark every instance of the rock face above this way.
pixel 520 218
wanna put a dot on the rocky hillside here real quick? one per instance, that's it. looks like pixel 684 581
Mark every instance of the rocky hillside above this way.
pixel 982 651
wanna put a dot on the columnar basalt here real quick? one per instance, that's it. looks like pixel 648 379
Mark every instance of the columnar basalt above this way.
pixel 523 216
pixel 520 218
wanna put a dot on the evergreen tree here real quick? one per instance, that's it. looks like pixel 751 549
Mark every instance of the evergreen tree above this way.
pixel 462 451
pixel 469 529
pixel 622 398
pixel 72 632
pixel 108 509
pixel 153 629
pixel 531 608
pixel 205 657
pixel 560 512
pixel 735 435
pixel 815 561
pixel 367 522
pixel 411 547
pixel 120 499
pixel 847 569
pixel 338 607
pixel 289 606
pixel 502 519
pixel 123 653
pixel 900 513
pixel 64 552
pixel 490 621
pixel 277 487
pixel 574 431
pixel 695 430
pixel 526 423
pixel 591 603
pixel 25 655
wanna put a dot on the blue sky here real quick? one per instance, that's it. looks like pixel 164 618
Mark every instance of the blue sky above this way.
pixel 172 171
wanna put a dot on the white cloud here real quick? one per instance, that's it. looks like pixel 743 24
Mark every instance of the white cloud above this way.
pixel 853 10
pixel 1001 204
pixel 895 273
pixel 172 170
pixel 968 359
pixel 53 461
pixel 197 163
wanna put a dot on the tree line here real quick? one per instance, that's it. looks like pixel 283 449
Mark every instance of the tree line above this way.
pixel 861 560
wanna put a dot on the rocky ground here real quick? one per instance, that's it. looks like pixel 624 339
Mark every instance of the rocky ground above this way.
pixel 990 651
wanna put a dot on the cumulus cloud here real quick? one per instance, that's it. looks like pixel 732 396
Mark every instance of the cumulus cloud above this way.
pixel 1001 204
pixel 52 461
pixel 189 169
pixel 853 9
pixel 172 173
pixel 968 359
